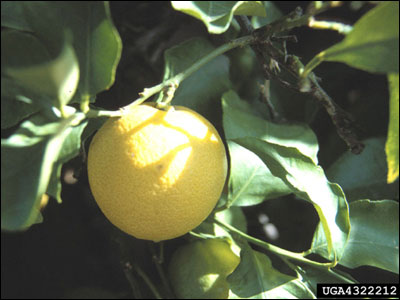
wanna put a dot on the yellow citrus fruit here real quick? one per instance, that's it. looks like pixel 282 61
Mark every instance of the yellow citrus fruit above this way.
pixel 198 270
pixel 157 174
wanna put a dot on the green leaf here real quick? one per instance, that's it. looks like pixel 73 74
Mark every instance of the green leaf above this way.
pixel 307 180
pixel 364 176
pixel 12 16
pixel 55 78
pixel 294 289
pixel 311 276
pixel 69 149
pixel 233 216
pixel 273 13
pixel 255 275
pixel 95 40
pixel 198 270
pixel 372 45
pixel 27 159
pixel 217 15
pixel 240 121
pixel 374 236
pixel 206 85
pixel 392 142
pixel 15 105
pixel 250 181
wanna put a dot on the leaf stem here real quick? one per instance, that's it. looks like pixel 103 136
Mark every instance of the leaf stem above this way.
pixel 178 78
pixel 278 251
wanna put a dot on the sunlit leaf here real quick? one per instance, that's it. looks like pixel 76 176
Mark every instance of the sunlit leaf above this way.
pixel 250 181
pixel 57 79
pixel 307 180
pixel 217 15
pixel 372 45
pixel 392 142
pixel 240 121
pixel 94 39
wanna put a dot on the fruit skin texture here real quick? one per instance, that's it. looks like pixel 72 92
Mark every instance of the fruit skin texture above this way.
pixel 157 174
pixel 198 270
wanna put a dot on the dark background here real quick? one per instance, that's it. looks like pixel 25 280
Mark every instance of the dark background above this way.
pixel 77 253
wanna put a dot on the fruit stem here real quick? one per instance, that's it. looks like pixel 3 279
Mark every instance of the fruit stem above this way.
pixel 147 281
pixel 158 260
pixel 278 251
pixel 178 78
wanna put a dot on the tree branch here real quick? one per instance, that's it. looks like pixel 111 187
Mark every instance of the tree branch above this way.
pixel 272 59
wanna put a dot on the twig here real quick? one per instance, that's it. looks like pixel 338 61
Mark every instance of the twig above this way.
pixel 265 96
pixel 337 26
pixel 178 78
pixel 271 59
pixel 265 50
pixel 342 120
pixel 295 19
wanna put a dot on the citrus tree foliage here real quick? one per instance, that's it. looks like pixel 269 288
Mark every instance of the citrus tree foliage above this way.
pixel 48 112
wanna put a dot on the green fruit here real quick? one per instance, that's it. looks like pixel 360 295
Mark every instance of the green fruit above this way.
pixel 198 270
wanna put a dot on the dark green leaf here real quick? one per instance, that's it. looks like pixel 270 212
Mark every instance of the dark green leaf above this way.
pixel 392 142
pixel 217 15
pixel 12 15
pixel 372 45
pixel 27 159
pixel 311 276
pixel 294 289
pixel 15 103
pixel 69 149
pixel 272 14
pixel 364 176
pixel 205 86
pixel 374 236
